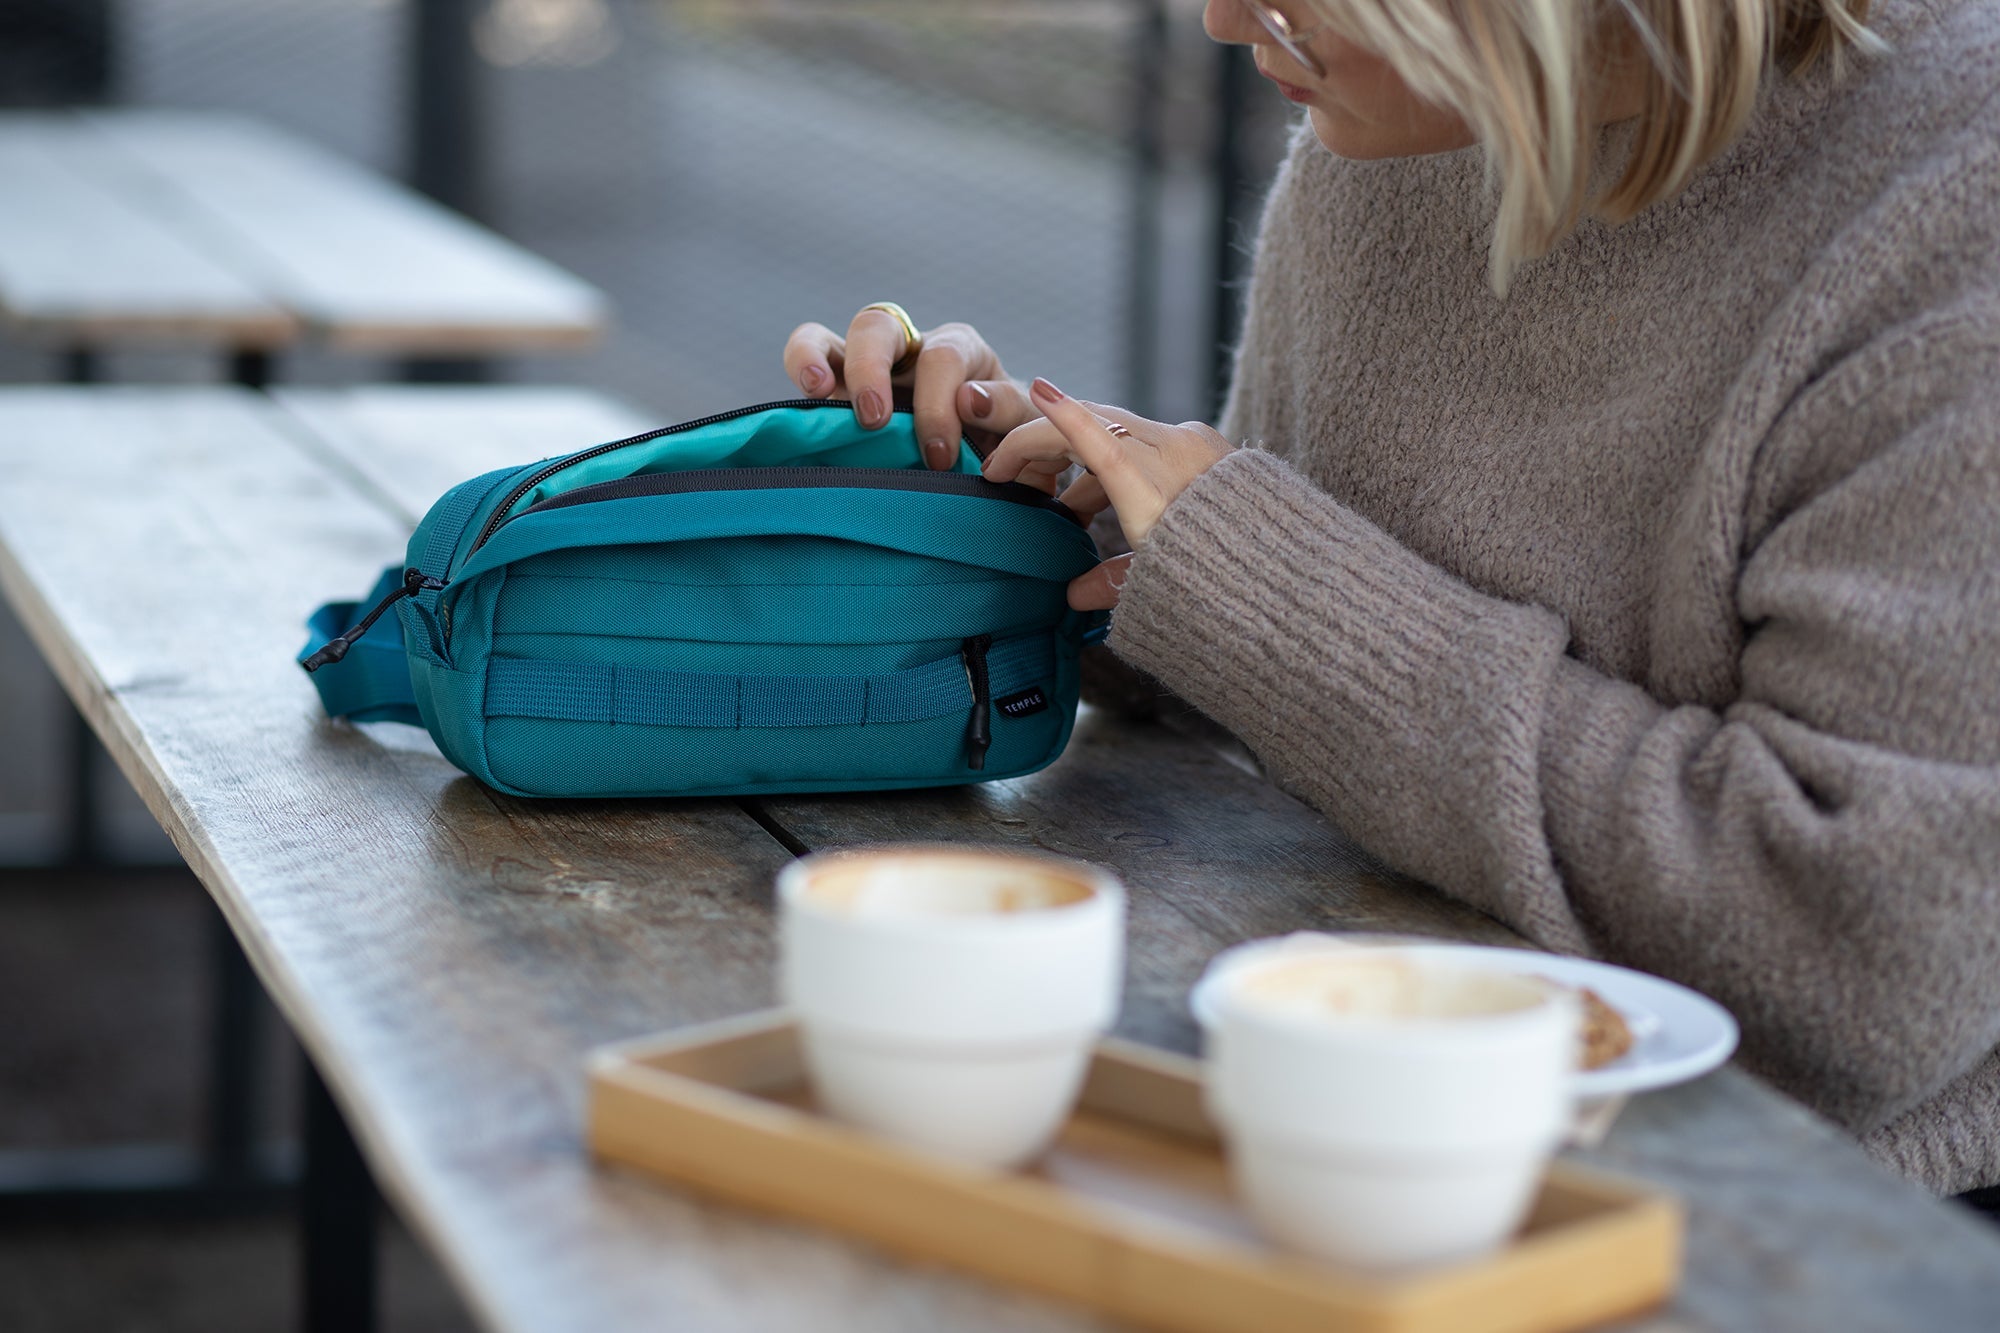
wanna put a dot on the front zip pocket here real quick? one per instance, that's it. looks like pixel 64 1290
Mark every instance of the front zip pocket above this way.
pixel 979 728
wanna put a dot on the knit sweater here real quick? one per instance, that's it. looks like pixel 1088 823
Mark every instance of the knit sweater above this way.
pixel 1653 608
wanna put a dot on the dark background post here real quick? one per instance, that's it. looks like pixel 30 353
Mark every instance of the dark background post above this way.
pixel 446 135
pixel 55 52
pixel 1149 55
pixel 338 1288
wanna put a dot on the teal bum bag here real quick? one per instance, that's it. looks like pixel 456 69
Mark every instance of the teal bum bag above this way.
pixel 771 600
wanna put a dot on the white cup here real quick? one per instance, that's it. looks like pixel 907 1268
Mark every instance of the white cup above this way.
pixel 949 997
pixel 1382 1110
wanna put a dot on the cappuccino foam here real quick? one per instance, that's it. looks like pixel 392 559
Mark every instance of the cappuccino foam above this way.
pixel 1381 985
pixel 942 885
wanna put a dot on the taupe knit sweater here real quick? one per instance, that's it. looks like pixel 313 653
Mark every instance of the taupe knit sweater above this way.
pixel 1655 608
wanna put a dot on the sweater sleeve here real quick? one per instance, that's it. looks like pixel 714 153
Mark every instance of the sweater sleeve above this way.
pixel 1822 854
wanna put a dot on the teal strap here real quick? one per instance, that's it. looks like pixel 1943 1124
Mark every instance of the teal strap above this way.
pixel 643 696
pixel 371 683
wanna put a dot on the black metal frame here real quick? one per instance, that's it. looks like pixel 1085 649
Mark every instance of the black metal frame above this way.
pixel 339 1208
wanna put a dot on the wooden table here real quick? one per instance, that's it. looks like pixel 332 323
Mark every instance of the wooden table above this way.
pixel 447 954
pixel 124 229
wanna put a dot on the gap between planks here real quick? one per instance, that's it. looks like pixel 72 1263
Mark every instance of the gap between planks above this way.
pixel 784 837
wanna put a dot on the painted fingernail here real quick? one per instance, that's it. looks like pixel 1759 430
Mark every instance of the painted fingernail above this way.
pixel 1046 391
pixel 980 401
pixel 937 455
pixel 869 408
pixel 811 378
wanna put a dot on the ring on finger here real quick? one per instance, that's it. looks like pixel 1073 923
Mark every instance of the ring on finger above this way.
pixel 913 338
pixel 1118 429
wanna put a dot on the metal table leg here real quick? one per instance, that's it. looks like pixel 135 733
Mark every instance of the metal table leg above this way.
pixel 230 1139
pixel 250 367
pixel 339 1208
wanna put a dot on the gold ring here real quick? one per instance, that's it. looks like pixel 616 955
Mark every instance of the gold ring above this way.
pixel 1117 428
pixel 913 338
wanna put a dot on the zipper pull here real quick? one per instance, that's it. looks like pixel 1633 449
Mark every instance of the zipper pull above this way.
pixel 979 731
pixel 414 582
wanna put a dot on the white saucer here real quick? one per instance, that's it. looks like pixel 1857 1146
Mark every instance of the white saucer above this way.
pixel 1677 1034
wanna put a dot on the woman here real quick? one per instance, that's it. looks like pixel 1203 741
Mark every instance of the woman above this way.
pixel 1617 546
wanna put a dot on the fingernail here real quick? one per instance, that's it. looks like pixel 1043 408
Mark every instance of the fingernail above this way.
pixel 869 408
pixel 937 455
pixel 982 401
pixel 1046 391
pixel 811 378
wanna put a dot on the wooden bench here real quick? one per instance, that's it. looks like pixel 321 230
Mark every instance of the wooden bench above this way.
pixel 447 954
pixel 196 229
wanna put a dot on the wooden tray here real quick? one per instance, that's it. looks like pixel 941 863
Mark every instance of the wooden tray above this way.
pixel 1130 1213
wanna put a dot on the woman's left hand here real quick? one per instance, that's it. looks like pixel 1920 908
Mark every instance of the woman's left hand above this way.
pixel 1134 466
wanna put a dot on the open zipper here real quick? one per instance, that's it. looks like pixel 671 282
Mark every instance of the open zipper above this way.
pixel 500 515
pixel 805 478
pixel 710 479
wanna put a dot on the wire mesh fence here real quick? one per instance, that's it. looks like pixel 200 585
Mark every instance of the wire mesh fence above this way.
pixel 728 168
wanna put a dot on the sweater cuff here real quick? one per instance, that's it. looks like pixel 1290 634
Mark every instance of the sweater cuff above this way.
pixel 1387 692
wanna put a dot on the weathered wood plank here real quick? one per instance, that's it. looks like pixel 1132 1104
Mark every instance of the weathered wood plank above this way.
pixel 448 955
pixel 84 262
pixel 1212 855
pixel 368 265
pixel 407 445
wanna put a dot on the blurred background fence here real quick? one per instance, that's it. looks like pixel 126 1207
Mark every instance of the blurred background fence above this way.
pixel 1047 169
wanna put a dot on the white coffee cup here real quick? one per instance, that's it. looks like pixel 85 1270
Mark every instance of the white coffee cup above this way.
pixel 1382 1110
pixel 950 997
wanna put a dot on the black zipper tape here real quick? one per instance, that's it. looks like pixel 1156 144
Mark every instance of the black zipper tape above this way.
pixel 500 516
pixel 805 478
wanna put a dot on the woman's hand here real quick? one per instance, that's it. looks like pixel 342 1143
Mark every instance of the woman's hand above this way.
pixel 957 385
pixel 1134 466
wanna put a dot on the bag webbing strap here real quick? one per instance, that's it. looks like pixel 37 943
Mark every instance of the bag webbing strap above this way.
pixel 644 696
pixel 372 682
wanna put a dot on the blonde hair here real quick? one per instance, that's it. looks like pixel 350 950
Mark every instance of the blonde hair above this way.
pixel 1528 76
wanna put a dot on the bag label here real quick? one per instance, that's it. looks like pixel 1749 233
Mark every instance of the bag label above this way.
pixel 1024 704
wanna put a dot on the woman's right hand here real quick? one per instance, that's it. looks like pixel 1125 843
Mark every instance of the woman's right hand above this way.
pixel 956 386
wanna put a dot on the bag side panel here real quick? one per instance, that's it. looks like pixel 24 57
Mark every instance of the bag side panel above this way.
pixel 450 683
